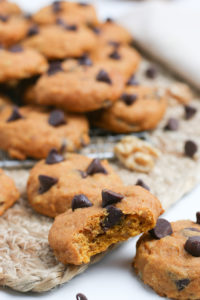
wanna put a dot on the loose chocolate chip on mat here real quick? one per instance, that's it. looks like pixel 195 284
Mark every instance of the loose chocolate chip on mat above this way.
pixel 129 99
pixel 190 148
pixel 113 218
pixel 46 182
pixel 190 111
pixel 54 157
pixel 57 118
pixel 192 246
pixel 80 201
pixel 15 115
pixel 104 77
pixel 132 81
pixel 33 30
pixel 115 55
pixel 56 6
pixel 96 167
pixel 81 297
pixel 198 217
pixel 83 174
pixel 54 67
pixel 16 49
pixel 110 197
pixel 162 229
pixel 141 183
pixel 151 72
pixel 182 283
pixel 3 18
pixel 84 60
pixel 172 124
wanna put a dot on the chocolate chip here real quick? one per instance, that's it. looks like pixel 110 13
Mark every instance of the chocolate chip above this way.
pixel 190 148
pixel 198 217
pixel 54 67
pixel 83 4
pixel 162 229
pixel 54 157
pixel 46 182
pixel 113 218
pixel 104 77
pixel 114 44
pixel 110 197
pixel 3 18
pixel 16 49
pixel 71 27
pixel 190 111
pixel 15 115
pixel 129 99
pixel 84 60
pixel 182 283
pixel 172 124
pixel 57 118
pixel 192 246
pixel 151 72
pixel 80 201
pixel 141 183
pixel 83 174
pixel 33 30
pixel 81 297
pixel 115 55
pixel 96 167
pixel 109 20
pixel 56 6
pixel 95 29
pixel 132 81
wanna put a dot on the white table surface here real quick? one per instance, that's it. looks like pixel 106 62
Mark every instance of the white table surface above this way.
pixel 113 277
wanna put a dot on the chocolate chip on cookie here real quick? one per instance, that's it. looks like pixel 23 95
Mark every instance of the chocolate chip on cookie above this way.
pixel 110 197
pixel 80 201
pixel 141 183
pixel 114 217
pixel 172 125
pixel 3 18
pixel 57 118
pixel 162 229
pixel 182 283
pixel 132 81
pixel 56 7
pixel 84 60
pixel 192 246
pixel 33 30
pixel 190 111
pixel 198 217
pixel 96 167
pixel 115 55
pixel 54 67
pixel 15 115
pixel 190 148
pixel 46 182
pixel 54 157
pixel 104 77
pixel 16 49
pixel 129 99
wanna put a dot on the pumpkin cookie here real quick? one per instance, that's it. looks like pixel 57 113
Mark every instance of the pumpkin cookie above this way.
pixel 86 229
pixel 8 192
pixel 167 259
pixel 31 131
pixel 62 40
pixel 72 174
pixel 79 86
pixel 139 108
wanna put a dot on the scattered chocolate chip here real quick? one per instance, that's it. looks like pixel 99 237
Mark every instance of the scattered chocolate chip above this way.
pixel 110 197
pixel 104 77
pixel 182 283
pixel 83 4
pixel 15 115
pixel 190 111
pixel 46 182
pixel 198 217
pixel 162 229
pixel 192 246
pixel 113 218
pixel 81 297
pixel 57 118
pixel 129 99
pixel 33 30
pixel 109 20
pixel 132 81
pixel 172 124
pixel 80 201
pixel 54 67
pixel 115 55
pixel 54 157
pixel 3 18
pixel 151 72
pixel 16 49
pixel 84 60
pixel 141 183
pixel 56 6
pixel 83 174
pixel 114 44
pixel 190 148
pixel 95 167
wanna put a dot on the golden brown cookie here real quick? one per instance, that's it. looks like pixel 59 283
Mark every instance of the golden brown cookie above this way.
pixel 75 174
pixel 4 100
pixel 31 131
pixel 18 63
pixel 79 86
pixel 8 192
pixel 61 41
pixel 139 108
pixel 9 8
pixel 86 230
pixel 74 13
pixel 168 261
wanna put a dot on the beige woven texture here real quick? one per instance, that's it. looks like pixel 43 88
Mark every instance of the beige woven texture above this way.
pixel 26 261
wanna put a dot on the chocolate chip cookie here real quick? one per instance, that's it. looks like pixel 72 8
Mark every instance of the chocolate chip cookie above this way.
pixel 167 259
pixel 31 131
pixel 9 8
pixel 86 229
pixel 138 108
pixel 54 182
